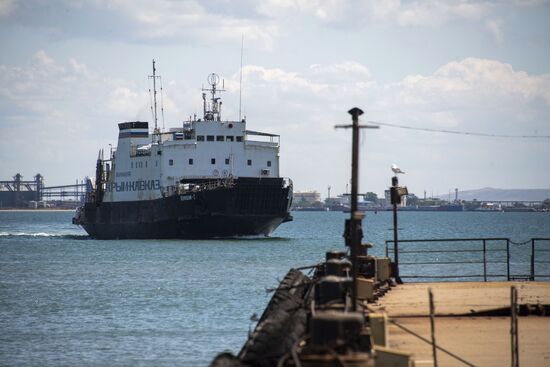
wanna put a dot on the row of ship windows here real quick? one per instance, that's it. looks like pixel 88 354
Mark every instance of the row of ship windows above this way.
pixel 171 163
pixel 141 165
pixel 219 138
pixel 213 161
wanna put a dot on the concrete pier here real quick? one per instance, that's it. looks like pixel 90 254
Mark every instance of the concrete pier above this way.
pixel 465 322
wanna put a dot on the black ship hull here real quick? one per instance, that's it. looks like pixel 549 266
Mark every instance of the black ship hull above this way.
pixel 248 207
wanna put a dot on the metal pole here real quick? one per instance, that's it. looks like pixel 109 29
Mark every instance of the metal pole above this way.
pixel 484 262
pixel 155 93
pixel 395 245
pixel 353 226
pixel 514 326
pixel 532 259
pixel 432 325
pixel 355 113
pixel 508 259
pixel 395 184
pixel 355 218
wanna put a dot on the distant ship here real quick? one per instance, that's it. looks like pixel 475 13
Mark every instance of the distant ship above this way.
pixel 451 207
pixel 206 178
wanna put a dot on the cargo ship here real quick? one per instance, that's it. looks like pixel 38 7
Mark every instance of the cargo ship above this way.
pixel 206 178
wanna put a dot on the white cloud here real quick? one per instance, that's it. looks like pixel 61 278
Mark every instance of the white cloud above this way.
pixel 488 79
pixel 6 7
pixel 42 59
pixel 345 71
pixel 495 28
pixel 283 80
pixel 262 22
pixel 72 110
pixel 469 95
pixel 531 2
pixel 77 67
pixel 469 82
pixel 165 21
pixel 361 14
pixel 57 115
pixel 409 13
pixel 185 19
pixel 123 100
pixel 439 12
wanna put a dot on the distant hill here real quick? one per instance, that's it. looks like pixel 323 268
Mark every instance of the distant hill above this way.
pixel 492 194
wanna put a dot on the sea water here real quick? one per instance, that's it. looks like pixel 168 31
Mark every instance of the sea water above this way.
pixel 66 299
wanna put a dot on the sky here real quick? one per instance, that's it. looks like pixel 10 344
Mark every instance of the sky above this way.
pixel 71 70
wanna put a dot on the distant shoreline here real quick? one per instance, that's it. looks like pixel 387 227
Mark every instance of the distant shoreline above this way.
pixel 37 210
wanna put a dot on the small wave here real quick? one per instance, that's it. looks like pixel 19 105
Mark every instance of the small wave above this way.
pixel 43 234
pixel 253 238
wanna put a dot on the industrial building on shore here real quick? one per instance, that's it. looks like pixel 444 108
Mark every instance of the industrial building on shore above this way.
pixel 33 194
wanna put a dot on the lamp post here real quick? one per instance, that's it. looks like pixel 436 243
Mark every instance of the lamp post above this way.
pixel 396 193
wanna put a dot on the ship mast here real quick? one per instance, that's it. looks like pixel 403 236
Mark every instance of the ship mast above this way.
pixel 212 110
pixel 154 107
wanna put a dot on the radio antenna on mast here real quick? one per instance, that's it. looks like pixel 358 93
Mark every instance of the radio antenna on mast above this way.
pixel 241 78
pixel 161 103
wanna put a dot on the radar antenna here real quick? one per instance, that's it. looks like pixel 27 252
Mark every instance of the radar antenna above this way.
pixel 212 109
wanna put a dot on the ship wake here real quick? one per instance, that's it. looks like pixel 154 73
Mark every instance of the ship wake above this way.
pixel 44 234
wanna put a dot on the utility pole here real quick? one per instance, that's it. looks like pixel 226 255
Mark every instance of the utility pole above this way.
pixel 353 231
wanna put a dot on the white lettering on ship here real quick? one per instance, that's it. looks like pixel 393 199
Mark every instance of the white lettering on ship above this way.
pixel 140 185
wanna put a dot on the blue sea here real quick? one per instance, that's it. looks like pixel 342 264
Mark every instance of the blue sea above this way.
pixel 66 299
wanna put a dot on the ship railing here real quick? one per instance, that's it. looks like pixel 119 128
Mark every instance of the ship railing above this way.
pixel 287 182
pixel 262 138
pixel 187 188
pixel 475 259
